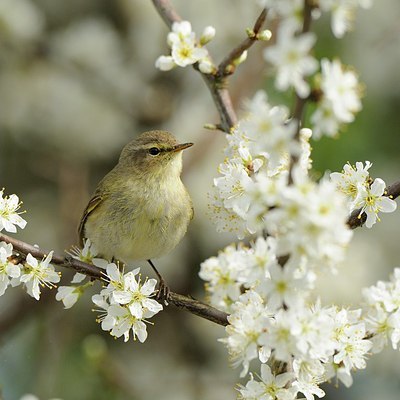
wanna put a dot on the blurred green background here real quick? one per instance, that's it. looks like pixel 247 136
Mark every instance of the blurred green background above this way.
pixel 77 82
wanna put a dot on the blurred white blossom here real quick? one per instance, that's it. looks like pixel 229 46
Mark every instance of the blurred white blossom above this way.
pixel 292 60
pixel 340 99
pixel 20 20
pixel 8 270
pixel 343 13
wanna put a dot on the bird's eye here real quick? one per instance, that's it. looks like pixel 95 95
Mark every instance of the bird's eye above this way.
pixel 154 151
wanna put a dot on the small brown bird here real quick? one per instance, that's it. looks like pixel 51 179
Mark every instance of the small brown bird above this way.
pixel 140 209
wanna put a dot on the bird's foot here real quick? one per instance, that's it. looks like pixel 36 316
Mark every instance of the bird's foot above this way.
pixel 163 292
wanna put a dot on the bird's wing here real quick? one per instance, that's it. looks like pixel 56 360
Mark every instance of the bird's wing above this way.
pixel 92 205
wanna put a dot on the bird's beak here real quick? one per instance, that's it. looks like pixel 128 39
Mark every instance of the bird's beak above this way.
pixel 182 146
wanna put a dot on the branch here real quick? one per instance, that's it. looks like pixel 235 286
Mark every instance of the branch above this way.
pixel 217 84
pixel 356 219
pixel 186 303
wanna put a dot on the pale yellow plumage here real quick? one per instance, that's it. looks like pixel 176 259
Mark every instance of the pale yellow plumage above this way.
pixel 140 209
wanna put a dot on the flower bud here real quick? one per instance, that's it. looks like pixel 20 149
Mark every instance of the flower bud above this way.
pixel 206 66
pixel 240 59
pixel 165 63
pixel 264 35
pixel 208 34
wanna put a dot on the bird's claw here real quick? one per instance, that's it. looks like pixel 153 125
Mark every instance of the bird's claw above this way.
pixel 163 292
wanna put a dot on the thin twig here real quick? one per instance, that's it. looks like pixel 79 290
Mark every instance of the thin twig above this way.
pixel 167 12
pixel 246 44
pixel 300 103
pixel 186 303
pixel 358 219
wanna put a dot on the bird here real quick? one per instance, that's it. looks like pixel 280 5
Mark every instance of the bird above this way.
pixel 141 209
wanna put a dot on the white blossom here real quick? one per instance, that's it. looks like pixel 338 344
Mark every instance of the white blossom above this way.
pixel 233 185
pixel 185 49
pixel 270 387
pixel 353 347
pixel 69 295
pixel 135 296
pixel 9 217
pixel 38 273
pixel 87 254
pixel 371 200
pixel 309 387
pixel 119 321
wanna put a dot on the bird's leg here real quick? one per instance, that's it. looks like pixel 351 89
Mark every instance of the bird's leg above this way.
pixel 163 289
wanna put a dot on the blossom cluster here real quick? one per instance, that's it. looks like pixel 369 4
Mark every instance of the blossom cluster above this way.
pixel 382 312
pixel 273 320
pixel 186 50
pixel 295 228
pixel 31 273
pixel 252 194
pixel 125 303
pixel 338 90
pixel 318 343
